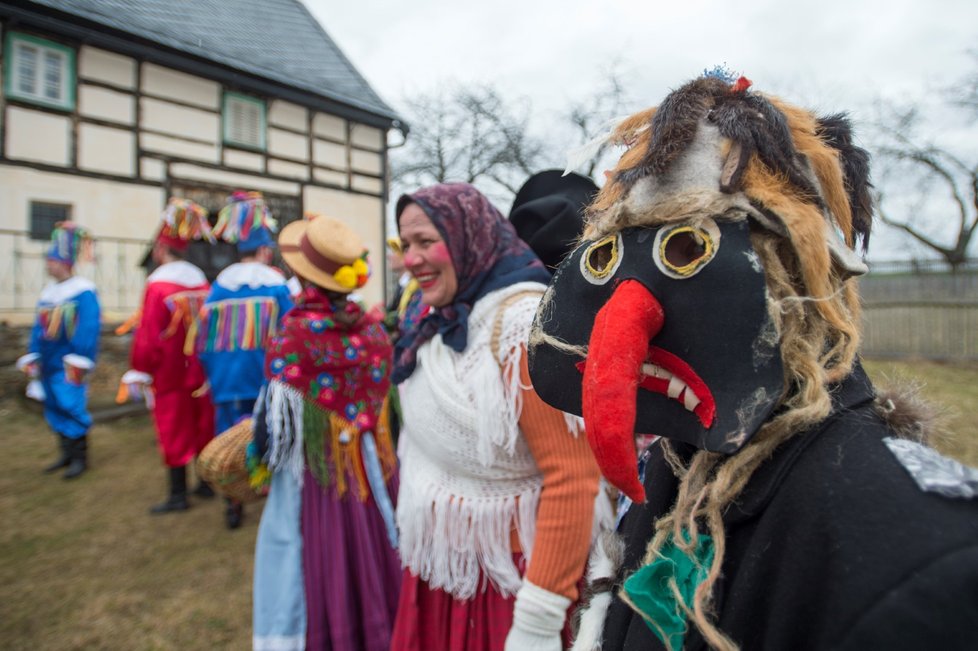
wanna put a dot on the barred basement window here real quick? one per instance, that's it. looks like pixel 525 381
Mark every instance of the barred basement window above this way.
pixel 244 121
pixel 45 215
pixel 39 71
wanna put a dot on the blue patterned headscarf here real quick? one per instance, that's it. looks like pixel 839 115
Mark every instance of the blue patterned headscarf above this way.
pixel 486 253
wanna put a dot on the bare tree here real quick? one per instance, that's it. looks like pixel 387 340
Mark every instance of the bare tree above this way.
pixel 470 134
pixel 918 175
pixel 965 93
pixel 589 117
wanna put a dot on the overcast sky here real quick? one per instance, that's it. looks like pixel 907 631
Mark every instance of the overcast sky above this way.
pixel 829 55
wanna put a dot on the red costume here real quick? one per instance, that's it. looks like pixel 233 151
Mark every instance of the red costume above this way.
pixel 162 348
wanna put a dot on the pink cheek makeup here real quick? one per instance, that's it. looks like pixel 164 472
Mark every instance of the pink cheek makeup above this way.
pixel 438 255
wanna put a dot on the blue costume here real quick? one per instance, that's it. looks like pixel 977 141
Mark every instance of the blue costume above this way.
pixel 244 308
pixel 67 322
pixel 63 346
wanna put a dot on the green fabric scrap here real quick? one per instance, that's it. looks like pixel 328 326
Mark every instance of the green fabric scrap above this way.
pixel 315 428
pixel 649 593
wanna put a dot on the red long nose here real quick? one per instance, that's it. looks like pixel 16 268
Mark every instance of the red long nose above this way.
pixel 619 344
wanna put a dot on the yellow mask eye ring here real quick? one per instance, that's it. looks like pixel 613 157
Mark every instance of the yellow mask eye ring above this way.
pixel 706 232
pixel 597 276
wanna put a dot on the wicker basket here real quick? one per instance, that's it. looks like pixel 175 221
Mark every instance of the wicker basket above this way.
pixel 222 463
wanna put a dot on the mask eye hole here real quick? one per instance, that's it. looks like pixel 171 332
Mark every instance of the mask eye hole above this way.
pixel 682 250
pixel 601 260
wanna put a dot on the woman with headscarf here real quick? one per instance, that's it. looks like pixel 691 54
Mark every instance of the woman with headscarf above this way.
pixel 489 472
pixel 326 572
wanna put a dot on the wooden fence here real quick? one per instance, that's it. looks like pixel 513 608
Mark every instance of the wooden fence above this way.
pixel 920 309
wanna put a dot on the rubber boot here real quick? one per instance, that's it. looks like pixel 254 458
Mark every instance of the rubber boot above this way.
pixel 79 457
pixel 65 457
pixel 233 514
pixel 177 500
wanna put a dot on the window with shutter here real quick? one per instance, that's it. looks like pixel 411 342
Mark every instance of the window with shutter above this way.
pixel 244 121
pixel 39 71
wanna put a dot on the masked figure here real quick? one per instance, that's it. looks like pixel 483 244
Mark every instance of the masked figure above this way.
pixel 712 303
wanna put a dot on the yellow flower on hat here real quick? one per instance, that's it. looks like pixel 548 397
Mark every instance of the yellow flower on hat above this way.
pixel 346 276
pixel 360 267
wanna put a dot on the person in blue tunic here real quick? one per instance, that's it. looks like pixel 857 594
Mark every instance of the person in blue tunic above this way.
pixel 63 346
pixel 244 308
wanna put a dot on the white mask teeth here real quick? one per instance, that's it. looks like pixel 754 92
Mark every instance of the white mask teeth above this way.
pixel 690 401
pixel 676 387
pixel 651 370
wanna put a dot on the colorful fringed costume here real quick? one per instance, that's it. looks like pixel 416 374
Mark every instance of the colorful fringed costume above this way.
pixel 67 323
pixel 63 345
pixel 242 311
pixel 326 570
pixel 163 348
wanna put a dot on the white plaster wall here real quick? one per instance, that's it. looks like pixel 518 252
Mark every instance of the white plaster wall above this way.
pixel 191 173
pixel 180 148
pixel 366 184
pixel 180 120
pixel 366 161
pixel 108 209
pixel 105 104
pixel 328 153
pixel 287 144
pixel 291 170
pixel 329 176
pixel 103 149
pixel 36 136
pixel 245 159
pixel 287 114
pixel 368 137
pixel 329 126
pixel 165 82
pixel 107 67
pixel 365 215
pixel 152 169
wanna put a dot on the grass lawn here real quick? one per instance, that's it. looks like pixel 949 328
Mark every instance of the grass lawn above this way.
pixel 83 565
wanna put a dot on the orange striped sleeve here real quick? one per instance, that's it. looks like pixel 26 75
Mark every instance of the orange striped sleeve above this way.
pixel 570 486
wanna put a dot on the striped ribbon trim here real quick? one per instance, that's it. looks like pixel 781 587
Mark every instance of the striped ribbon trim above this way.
pixel 232 325
pixel 57 319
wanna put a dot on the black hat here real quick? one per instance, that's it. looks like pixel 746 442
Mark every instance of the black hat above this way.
pixel 548 213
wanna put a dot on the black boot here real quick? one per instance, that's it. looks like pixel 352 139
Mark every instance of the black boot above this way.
pixel 78 448
pixel 233 514
pixel 65 457
pixel 203 490
pixel 177 501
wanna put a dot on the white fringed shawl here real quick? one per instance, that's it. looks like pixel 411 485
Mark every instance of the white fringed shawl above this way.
pixel 467 474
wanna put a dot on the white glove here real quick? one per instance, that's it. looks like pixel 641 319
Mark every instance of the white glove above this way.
pixel 136 377
pixel 26 360
pixel 538 619
pixel 35 391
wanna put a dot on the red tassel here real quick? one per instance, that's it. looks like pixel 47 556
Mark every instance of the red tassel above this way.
pixel 741 85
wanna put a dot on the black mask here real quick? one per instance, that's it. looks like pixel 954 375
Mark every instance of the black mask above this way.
pixel 674 310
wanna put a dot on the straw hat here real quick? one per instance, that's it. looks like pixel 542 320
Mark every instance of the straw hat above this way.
pixel 325 251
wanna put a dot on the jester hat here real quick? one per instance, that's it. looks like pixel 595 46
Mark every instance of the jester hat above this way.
pixel 183 220
pixel 664 320
pixel 70 243
pixel 246 221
